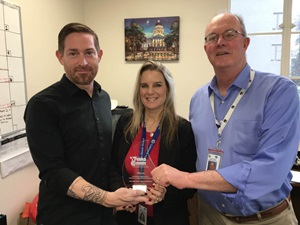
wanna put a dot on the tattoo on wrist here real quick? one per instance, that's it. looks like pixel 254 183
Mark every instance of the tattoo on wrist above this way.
pixel 94 194
pixel 103 197
pixel 90 193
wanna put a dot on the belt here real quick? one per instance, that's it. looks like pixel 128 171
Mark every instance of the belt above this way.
pixel 280 207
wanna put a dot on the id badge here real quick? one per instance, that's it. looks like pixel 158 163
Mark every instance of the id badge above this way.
pixel 214 159
pixel 142 214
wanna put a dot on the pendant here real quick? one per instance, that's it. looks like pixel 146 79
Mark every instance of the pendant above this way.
pixel 151 134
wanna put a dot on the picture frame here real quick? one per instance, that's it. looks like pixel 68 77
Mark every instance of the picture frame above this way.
pixel 154 38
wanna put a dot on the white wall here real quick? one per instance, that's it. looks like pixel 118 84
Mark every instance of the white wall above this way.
pixel 191 71
pixel 41 22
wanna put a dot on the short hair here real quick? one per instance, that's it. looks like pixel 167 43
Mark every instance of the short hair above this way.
pixel 240 18
pixel 75 28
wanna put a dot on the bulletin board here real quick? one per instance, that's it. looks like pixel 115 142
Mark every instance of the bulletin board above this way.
pixel 12 72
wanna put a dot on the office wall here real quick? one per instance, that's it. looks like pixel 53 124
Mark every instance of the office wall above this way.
pixel 191 71
pixel 41 22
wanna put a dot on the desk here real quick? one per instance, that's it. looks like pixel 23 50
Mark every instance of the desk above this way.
pixel 295 196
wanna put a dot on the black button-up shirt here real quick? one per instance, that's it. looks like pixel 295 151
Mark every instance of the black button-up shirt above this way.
pixel 69 135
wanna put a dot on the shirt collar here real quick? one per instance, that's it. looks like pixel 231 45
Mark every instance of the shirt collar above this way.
pixel 241 81
pixel 72 89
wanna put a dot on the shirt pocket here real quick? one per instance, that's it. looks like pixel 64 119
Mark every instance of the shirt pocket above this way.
pixel 247 137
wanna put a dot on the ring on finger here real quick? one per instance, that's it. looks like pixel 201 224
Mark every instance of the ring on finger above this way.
pixel 157 178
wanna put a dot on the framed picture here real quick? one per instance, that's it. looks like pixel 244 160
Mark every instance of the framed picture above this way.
pixel 155 38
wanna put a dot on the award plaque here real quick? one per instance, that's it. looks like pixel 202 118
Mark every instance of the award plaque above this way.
pixel 137 167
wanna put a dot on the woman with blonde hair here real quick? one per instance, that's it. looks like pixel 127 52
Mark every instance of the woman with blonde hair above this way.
pixel 155 132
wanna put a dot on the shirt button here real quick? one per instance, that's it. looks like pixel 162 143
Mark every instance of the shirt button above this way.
pixel 97 119
pixel 223 205
pixel 100 138
pixel 223 102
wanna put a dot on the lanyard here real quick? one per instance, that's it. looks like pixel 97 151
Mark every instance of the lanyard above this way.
pixel 151 144
pixel 223 122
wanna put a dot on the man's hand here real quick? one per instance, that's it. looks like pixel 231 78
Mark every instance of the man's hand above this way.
pixel 166 175
pixel 81 189
pixel 124 197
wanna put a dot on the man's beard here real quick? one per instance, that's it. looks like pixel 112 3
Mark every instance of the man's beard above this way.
pixel 86 76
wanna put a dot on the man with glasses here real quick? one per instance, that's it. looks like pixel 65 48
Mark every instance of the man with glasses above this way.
pixel 247 123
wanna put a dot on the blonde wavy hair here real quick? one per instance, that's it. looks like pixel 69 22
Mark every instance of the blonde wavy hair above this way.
pixel 168 120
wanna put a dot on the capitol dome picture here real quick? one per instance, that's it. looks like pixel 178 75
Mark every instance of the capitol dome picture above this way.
pixel 152 39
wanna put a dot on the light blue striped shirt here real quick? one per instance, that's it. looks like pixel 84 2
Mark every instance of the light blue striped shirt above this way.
pixel 260 140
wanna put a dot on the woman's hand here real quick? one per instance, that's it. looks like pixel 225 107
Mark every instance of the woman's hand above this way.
pixel 156 194
pixel 128 208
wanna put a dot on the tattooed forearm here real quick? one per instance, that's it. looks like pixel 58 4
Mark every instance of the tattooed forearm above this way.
pixel 92 193
pixel 71 192
pixel 81 189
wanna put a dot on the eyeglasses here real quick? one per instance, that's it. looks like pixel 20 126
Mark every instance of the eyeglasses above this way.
pixel 228 35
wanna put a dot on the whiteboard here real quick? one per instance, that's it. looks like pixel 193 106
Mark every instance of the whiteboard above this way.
pixel 12 71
